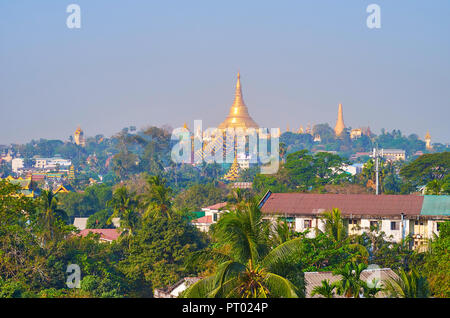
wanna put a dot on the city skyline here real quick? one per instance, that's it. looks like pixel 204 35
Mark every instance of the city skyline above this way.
pixel 147 64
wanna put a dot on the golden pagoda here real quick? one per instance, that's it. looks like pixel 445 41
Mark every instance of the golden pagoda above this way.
pixel 233 173
pixel 238 116
pixel 340 126
pixel 78 137
pixel 428 141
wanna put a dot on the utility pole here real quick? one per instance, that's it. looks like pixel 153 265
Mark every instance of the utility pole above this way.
pixel 376 155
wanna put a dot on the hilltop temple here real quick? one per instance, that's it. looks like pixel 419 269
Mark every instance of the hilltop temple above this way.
pixel 78 137
pixel 238 117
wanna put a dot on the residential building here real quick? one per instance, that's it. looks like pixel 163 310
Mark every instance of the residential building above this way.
pixel 393 154
pixel 212 215
pixel 17 164
pixel 52 163
pixel 106 235
pixel 398 216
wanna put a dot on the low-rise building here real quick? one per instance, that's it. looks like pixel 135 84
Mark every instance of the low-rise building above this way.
pixel 393 154
pixel 17 164
pixel 398 216
pixel 105 235
pixel 212 215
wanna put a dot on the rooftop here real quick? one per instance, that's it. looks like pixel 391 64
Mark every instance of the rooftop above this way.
pixel 349 204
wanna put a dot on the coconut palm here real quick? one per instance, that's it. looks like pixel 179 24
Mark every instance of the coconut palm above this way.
pixel 408 285
pixel 250 269
pixel 50 215
pixel 334 224
pixel 158 198
pixel 350 283
pixel 326 289
pixel 124 207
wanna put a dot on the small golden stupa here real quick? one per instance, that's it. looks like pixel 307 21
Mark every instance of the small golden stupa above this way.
pixel 233 173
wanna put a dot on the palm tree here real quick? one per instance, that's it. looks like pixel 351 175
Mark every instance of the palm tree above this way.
pixel 350 284
pixel 326 289
pixel 49 215
pixel 158 198
pixel 334 224
pixel 124 207
pixel 250 269
pixel 408 285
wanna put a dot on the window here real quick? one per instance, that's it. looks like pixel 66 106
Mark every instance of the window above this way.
pixel 395 226
pixel 215 217
pixel 307 224
pixel 353 221
pixel 437 226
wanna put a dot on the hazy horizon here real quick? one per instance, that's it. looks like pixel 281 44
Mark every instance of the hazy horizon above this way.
pixel 150 63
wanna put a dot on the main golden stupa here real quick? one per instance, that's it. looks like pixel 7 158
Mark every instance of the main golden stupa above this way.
pixel 238 116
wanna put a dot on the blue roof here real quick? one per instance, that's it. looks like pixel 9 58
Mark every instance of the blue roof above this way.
pixel 436 205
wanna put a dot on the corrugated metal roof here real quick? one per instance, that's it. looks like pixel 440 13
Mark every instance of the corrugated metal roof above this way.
pixel 355 204
pixel 436 205
pixel 314 279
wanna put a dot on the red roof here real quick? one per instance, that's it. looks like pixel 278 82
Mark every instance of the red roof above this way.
pixel 105 234
pixel 203 219
pixel 355 204
pixel 216 206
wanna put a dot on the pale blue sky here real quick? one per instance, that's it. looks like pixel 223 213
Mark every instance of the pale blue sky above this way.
pixel 166 62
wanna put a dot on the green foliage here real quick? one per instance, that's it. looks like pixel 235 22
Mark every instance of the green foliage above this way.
pixel 303 172
pixel 84 204
pixel 199 196
pixel 99 220
pixel 408 285
pixel 250 268
pixel 157 252
pixel 436 265
pixel 427 168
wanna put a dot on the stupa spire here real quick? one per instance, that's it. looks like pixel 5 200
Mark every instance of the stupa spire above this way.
pixel 238 116
pixel 340 126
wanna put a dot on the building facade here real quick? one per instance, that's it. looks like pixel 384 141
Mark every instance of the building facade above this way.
pixel 398 216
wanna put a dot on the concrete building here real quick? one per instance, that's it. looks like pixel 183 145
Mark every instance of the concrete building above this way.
pixel 393 154
pixel 212 215
pixel 17 164
pixel 398 216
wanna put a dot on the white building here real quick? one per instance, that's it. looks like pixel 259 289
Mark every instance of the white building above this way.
pixel 398 216
pixel 17 164
pixel 212 215
pixel 52 163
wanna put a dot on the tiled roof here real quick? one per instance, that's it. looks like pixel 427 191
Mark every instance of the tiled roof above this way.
pixel 349 204
pixel 313 279
pixel 203 219
pixel 105 234
pixel 216 206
